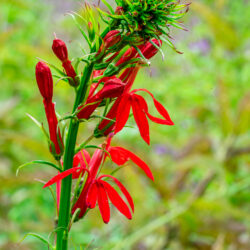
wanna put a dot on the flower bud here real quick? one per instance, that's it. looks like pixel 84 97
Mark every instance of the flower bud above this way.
pixel 113 37
pixel 54 131
pixel 149 50
pixel 60 49
pixel 112 88
pixel 127 56
pixel 119 10
pixel 44 80
pixel 91 31
pixel 69 69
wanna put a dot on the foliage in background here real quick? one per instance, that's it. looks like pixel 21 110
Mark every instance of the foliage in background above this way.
pixel 202 163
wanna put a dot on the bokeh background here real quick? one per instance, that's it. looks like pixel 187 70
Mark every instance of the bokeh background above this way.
pixel 201 195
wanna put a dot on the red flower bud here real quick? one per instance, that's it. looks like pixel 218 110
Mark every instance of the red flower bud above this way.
pixel 60 49
pixel 44 80
pixel 69 69
pixel 113 87
pixel 113 37
pixel 149 50
pixel 128 55
pixel 119 10
pixel 55 135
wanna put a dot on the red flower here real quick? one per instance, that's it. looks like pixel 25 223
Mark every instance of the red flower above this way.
pixel 95 189
pixel 101 192
pixel 140 112
pixel 44 80
pixel 128 77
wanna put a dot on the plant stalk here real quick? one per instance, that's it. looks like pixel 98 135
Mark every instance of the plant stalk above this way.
pixel 64 209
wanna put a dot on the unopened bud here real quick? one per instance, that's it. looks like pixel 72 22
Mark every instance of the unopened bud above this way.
pixel 149 50
pixel 44 80
pixel 91 31
pixel 119 10
pixel 113 87
pixel 113 37
pixel 60 49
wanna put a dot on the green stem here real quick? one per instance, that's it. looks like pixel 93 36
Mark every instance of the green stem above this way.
pixel 64 209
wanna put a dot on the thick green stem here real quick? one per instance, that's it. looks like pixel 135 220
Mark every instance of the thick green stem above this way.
pixel 64 209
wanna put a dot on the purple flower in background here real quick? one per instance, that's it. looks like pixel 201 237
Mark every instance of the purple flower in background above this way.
pixel 160 149
pixel 202 46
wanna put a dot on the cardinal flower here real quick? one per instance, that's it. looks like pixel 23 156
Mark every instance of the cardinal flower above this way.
pixel 97 190
pixel 140 112
pixel 128 76
pixel 101 191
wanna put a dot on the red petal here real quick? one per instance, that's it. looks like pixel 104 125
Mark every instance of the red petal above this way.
pixel 62 176
pixel 118 156
pixel 140 119
pixel 92 196
pixel 95 162
pixel 103 203
pixel 140 163
pixel 116 199
pixel 159 120
pixel 122 188
pixel 160 108
pixel 122 113
pixel 80 159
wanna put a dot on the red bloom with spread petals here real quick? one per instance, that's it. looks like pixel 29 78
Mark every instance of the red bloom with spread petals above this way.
pixel 140 112
pixel 97 190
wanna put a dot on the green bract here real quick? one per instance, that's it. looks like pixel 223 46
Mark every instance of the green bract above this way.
pixel 148 18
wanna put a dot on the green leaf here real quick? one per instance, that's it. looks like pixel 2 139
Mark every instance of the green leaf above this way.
pixel 41 238
pixel 80 29
pixel 38 162
pixel 108 6
pixel 40 125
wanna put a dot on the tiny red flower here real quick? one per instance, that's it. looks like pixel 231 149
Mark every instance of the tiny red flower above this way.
pixel 44 80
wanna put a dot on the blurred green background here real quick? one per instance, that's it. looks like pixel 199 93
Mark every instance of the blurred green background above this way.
pixel 201 195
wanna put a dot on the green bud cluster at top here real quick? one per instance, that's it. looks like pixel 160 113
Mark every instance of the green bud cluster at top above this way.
pixel 149 18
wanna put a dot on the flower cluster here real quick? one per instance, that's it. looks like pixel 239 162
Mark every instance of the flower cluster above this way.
pixel 133 37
